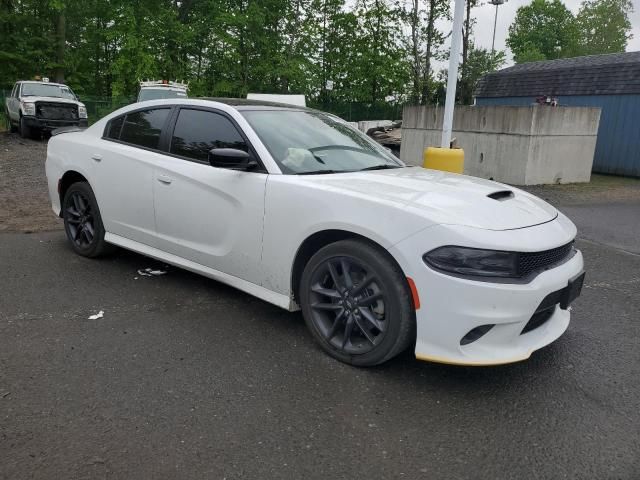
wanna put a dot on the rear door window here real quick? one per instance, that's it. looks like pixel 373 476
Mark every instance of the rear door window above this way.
pixel 198 131
pixel 143 128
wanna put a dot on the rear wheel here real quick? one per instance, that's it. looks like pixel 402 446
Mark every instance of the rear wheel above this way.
pixel 357 304
pixel 82 221
pixel 8 123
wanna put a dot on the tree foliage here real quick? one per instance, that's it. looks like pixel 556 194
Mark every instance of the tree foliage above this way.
pixel 546 29
pixel 604 26
pixel 222 47
pixel 337 51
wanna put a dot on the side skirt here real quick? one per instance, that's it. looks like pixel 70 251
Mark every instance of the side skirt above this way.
pixel 251 288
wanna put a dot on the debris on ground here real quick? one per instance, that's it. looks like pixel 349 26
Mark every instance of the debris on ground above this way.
pixel 389 136
pixel 150 272
pixel 98 315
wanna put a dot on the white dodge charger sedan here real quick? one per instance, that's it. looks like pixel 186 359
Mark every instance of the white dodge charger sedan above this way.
pixel 298 208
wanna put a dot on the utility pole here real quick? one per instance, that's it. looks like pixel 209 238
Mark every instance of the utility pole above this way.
pixel 452 75
pixel 497 3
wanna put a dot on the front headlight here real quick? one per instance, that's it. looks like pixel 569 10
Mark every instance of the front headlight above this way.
pixel 82 111
pixel 28 108
pixel 473 261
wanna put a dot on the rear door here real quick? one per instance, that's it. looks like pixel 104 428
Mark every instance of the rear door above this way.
pixel 211 216
pixel 123 163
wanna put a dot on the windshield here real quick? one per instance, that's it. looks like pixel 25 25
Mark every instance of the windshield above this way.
pixel 160 93
pixel 306 142
pixel 47 90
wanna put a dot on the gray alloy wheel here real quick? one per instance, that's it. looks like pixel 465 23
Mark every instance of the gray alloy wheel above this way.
pixel 82 221
pixel 357 303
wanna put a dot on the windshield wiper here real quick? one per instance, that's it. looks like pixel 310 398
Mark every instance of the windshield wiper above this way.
pixel 320 172
pixel 379 167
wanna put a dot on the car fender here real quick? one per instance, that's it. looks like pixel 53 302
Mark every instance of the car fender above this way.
pixel 65 155
pixel 294 211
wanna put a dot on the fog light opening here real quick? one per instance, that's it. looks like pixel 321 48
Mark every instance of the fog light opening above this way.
pixel 475 334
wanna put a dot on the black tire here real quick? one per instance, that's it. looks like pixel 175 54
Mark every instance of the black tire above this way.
pixel 25 130
pixel 82 221
pixel 377 305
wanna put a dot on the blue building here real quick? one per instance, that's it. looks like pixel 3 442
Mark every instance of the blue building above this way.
pixel 611 82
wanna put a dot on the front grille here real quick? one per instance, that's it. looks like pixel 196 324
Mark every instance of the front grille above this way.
pixel 56 111
pixel 531 262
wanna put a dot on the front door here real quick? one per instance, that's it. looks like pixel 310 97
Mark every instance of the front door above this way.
pixel 13 103
pixel 211 216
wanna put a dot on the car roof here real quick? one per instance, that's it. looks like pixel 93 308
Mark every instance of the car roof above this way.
pixel 248 104
pixel 44 83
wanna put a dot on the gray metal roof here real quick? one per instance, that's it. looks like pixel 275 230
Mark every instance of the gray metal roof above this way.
pixel 612 74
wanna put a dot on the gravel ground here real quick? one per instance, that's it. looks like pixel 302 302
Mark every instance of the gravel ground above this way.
pixel 601 189
pixel 24 200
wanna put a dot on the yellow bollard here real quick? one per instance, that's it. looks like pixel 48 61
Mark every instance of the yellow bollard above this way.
pixel 446 159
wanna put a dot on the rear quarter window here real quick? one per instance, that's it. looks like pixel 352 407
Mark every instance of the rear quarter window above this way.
pixel 143 128
pixel 114 127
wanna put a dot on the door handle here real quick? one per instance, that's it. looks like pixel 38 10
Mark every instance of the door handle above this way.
pixel 96 156
pixel 164 179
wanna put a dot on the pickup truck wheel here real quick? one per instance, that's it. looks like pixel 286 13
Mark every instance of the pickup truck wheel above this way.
pixel 25 130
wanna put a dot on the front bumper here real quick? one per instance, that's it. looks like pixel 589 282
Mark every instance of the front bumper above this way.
pixel 451 307
pixel 48 124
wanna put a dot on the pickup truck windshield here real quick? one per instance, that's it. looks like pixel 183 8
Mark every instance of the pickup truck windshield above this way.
pixel 308 142
pixel 160 93
pixel 46 90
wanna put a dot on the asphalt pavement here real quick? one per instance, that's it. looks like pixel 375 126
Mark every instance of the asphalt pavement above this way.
pixel 184 377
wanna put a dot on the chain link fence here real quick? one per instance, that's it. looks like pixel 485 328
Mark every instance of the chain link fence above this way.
pixel 98 107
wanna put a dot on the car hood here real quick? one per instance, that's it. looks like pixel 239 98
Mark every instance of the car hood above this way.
pixel 32 99
pixel 444 198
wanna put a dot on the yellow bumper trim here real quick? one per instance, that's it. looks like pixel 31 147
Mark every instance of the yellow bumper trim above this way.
pixel 448 361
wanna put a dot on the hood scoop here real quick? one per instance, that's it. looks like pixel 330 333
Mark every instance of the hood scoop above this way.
pixel 502 195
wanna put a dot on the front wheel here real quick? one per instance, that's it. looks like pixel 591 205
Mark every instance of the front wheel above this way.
pixel 82 221
pixel 357 304
pixel 25 130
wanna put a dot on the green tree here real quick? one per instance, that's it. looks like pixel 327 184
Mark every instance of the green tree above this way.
pixel 544 29
pixel 604 26
pixel 479 62
pixel 380 64
pixel 423 42
pixel 466 84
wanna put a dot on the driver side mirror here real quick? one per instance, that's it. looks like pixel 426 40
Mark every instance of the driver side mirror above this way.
pixel 231 159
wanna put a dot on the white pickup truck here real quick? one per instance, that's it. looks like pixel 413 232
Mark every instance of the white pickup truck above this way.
pixel 159 89
pixel 37 106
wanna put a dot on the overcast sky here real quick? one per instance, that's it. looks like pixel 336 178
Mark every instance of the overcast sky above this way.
pixel 484 15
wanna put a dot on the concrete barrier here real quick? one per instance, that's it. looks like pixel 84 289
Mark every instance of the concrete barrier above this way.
pixel 517 145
